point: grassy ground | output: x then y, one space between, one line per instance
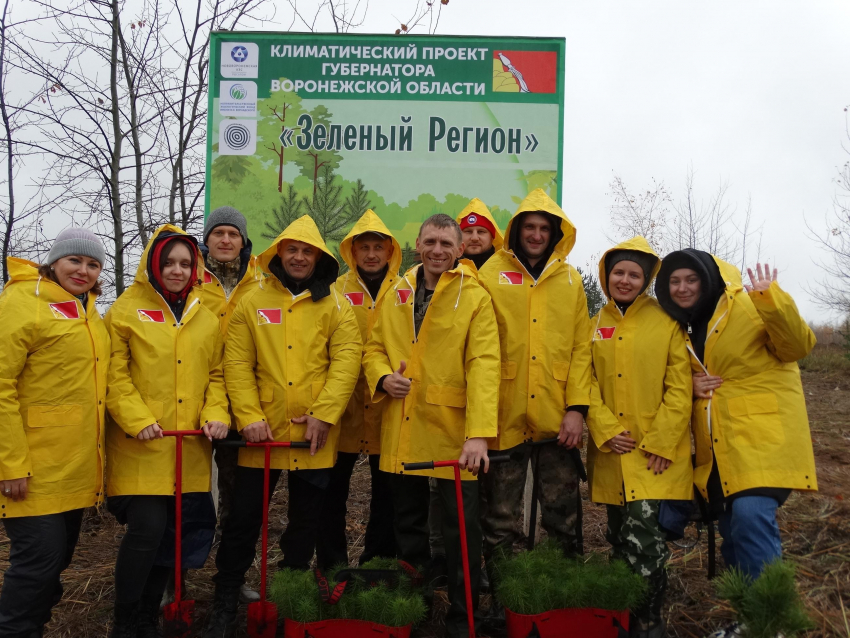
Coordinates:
815 534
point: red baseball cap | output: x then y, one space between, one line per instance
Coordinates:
474 219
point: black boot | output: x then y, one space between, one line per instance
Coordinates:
126 620
222 622
149 619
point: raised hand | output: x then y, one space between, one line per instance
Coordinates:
762 279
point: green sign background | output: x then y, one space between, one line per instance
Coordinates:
252 167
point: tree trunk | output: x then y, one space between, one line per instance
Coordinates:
134 131
115 163
10 220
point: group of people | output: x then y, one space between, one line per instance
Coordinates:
485 345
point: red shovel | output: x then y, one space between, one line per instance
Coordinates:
262 615
177 616
461 520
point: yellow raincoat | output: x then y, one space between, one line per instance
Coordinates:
478 207
214 298
544 333
641 382
756 420
287 355
360 429
161 371
453 365
53 368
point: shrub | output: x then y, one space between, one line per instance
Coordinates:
767 606
543 579
297 597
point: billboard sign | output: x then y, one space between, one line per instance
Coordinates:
406 125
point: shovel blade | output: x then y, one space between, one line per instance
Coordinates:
177 619
262 620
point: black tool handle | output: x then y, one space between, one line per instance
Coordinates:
423 465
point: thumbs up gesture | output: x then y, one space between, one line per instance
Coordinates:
396 384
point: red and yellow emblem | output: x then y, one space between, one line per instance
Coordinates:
605 333
510 278
155 316
268 316
65 310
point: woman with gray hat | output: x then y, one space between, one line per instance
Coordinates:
52 389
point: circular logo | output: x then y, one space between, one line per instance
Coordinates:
237 136
239 53
471 219
238 92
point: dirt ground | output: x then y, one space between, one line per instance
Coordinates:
815 535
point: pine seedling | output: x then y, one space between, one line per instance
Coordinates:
768 606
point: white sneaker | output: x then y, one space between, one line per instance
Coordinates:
729 631
248 595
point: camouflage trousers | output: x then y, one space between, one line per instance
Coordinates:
557 480
637 539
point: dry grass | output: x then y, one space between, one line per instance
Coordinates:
815 533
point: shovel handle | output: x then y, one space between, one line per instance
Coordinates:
178 508
423 465
303 445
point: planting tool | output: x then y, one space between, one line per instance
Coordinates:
461 519
177 616
262 615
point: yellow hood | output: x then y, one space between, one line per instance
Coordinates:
302 229
369 223
638 244
539 201
21 269
142 269
730 274
478 207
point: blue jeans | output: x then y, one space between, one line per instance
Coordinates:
750 534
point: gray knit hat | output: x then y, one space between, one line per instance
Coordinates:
77 241
226 216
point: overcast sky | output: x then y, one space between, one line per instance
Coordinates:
752 93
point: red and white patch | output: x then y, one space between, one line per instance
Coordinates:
472 220
605 333
403 296
65 310
510 278
355 298
267 316
207 277
156 316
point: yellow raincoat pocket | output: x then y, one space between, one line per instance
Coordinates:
755 419
156 408
646 420
509 369
446 395
266 392
561 370
51 416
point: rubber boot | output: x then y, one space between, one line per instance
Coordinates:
126 620
222 622
149 619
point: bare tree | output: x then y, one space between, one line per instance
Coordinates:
832 291
710 224
646 214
